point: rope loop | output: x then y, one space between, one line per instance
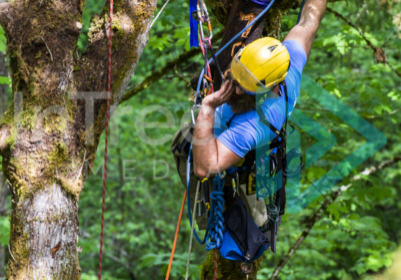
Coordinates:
216 233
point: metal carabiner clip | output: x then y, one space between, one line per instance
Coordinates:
193 113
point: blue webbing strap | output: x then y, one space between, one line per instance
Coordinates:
193 24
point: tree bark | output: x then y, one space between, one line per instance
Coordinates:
53 128
4 87
3 212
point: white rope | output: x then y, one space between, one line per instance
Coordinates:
165 4
192 231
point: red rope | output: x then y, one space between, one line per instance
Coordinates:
107 139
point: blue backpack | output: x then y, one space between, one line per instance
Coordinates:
243 240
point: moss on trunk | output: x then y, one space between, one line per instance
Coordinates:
43 135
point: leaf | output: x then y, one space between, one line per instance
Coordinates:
5 80
4 231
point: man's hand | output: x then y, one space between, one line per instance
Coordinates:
220 97
210 155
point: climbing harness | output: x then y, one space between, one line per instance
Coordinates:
106 139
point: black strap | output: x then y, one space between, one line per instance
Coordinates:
229 121
217 64
281 198
264 120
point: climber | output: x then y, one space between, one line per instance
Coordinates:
228 125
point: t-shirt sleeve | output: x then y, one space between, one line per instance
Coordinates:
240 137
297 54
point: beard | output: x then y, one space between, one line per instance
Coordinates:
242 103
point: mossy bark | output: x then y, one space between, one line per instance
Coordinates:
44 137
3 213
236 15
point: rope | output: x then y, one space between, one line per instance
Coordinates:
176 235
192 232
107 140
216 232
161 10
189 201
300 11
233 39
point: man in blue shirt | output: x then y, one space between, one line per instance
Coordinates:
228 127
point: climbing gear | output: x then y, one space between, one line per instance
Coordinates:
243 241
246 268
218 231
232 41
261 65
194 41
176 236
107 140
271 172
215 234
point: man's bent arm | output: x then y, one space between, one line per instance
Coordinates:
209 154
304 32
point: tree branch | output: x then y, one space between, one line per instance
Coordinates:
313 219
379 52
155 76
131 23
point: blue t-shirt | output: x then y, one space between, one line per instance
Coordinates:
246 132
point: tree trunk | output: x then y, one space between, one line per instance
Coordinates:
3 212
236 15
53 128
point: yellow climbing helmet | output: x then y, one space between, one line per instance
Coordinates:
261 65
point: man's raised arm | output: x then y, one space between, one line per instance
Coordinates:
304 32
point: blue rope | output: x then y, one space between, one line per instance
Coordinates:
300 11
216 233
232 41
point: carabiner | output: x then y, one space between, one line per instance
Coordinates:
192 112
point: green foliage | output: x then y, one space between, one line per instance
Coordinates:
3 42
4 230
357 234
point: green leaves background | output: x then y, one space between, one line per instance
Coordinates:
356 236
